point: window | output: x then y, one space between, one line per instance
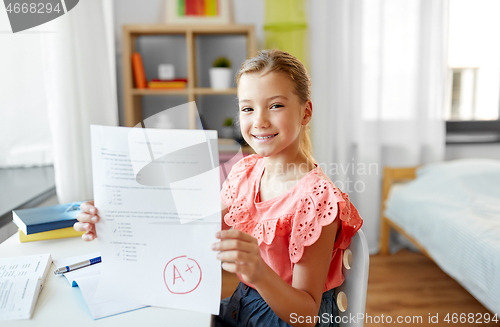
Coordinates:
473 110
474 60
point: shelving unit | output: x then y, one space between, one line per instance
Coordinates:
133 96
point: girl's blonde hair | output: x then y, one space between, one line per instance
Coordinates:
278 61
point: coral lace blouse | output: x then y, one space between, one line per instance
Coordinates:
284 225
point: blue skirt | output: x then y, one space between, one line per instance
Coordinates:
247 308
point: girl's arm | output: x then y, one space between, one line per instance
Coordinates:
240 253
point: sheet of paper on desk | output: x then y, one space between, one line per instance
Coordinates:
87 279
157 192
21 280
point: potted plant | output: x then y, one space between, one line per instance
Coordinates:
220 73
227 128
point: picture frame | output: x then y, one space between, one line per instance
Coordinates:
181 12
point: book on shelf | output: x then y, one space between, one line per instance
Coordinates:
21 280
49 235
43 219
138 70
178 83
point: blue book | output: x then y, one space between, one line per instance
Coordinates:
43 219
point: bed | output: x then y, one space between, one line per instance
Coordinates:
451 212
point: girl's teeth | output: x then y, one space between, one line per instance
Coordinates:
264 137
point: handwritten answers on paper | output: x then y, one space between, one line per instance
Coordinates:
157 192
21 279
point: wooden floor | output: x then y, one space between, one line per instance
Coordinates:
409 285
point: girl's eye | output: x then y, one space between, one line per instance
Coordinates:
276 105
246 109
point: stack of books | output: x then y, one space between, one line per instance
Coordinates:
46 223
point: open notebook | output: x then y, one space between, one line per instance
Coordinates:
87 279
21 280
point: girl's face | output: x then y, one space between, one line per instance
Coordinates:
271 114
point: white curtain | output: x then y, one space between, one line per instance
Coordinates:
378 72
25 139
81 85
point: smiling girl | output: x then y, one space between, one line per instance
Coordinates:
290 223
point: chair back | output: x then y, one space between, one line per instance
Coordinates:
351 295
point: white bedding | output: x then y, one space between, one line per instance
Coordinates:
453 210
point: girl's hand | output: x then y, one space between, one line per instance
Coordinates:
87 220
240 253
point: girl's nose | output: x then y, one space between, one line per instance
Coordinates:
261 120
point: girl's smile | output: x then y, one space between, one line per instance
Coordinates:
264 137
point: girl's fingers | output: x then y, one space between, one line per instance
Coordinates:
83 227
236 256
86 218
235 234
239 253
229 266
88 236
233 244
88 207
237 268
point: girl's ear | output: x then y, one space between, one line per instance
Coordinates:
308 110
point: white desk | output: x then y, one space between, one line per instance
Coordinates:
59 304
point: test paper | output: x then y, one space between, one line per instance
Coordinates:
157 193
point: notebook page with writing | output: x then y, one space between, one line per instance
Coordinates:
21 280
87 279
